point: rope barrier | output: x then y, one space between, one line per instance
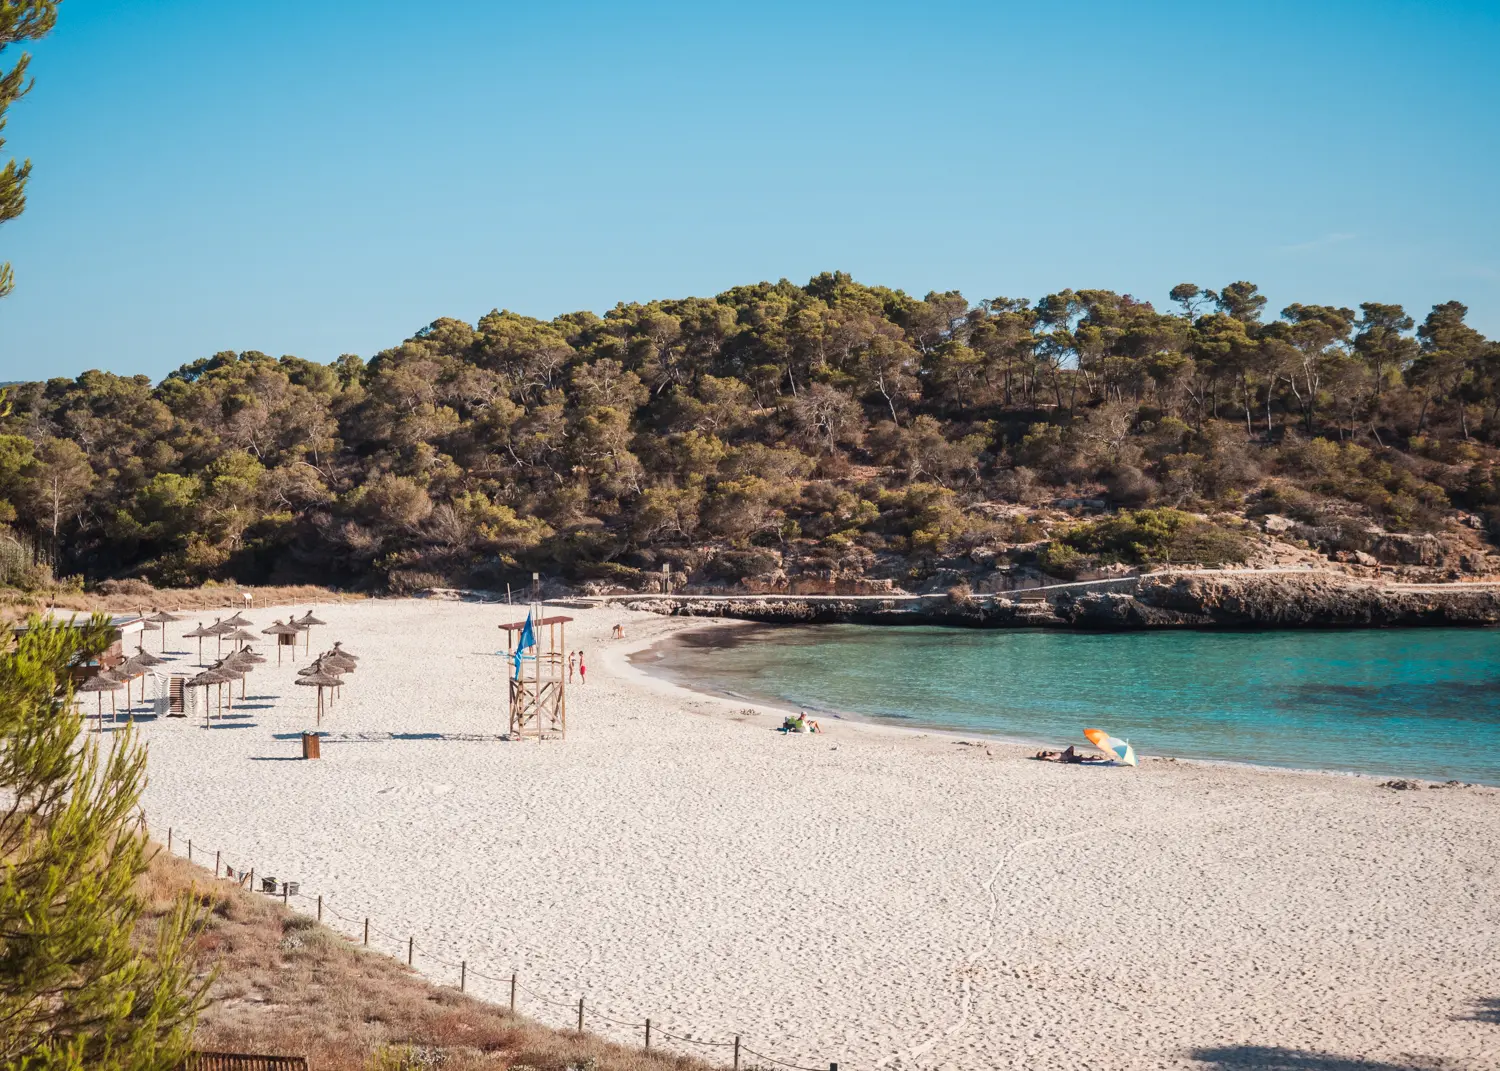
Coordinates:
596 1014
547 1000
696 1041
780 1063
470 971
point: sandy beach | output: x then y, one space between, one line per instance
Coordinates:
875 897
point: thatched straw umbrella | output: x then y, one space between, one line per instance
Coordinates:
146 658
128 671
238 620
279 630
220 629
240 637
338 649
206 680
235 671
306 623
146 661
337 662
198 634
99 683
319 679
162 618
241 664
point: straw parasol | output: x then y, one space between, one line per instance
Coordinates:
198 634
319 679
205 680
146 658
241 637
278 630
306 623
338 649
238 620
219 629
162 618
338 662
235 671
99 683
241 663
128 671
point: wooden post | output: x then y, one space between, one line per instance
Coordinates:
463 974
320 907
411 943
367 931
580 1015
252 879
216 864
648 1035
169 840
512 992
190 849
736 1052
285 894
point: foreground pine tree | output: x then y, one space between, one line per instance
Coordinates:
75 990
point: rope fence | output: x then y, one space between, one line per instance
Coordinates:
579 1012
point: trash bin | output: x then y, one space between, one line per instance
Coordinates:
310 742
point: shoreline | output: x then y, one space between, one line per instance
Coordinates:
876 722
877 895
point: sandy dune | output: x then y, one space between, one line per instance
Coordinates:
878 898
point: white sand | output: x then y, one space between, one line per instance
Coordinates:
879 898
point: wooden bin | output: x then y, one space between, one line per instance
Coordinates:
310 746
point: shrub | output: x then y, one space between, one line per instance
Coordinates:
1158 535
1059 559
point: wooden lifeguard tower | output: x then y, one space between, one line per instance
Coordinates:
538 692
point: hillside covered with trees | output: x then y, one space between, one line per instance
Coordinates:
832 430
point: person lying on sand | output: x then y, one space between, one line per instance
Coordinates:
1070 756
801 723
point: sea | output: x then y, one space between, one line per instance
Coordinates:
1415 703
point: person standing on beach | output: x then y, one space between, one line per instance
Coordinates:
572 660
582 670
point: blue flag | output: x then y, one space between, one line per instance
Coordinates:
528 639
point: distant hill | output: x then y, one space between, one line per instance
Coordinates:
779 434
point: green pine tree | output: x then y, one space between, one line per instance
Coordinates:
75 989
20 20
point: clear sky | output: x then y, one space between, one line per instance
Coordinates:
318 178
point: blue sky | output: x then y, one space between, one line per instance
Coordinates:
320 178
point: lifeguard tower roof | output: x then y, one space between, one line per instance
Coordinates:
538 623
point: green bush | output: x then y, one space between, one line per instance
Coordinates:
1148 536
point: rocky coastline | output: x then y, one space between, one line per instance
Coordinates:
1201 600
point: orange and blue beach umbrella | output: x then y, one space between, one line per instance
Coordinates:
1113 746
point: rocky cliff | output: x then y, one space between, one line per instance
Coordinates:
1165 600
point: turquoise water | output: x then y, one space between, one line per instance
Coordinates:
1415 703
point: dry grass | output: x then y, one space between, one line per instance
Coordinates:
287 985
15 605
